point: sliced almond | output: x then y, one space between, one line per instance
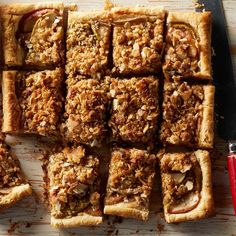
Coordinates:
187 203
178 177
189 185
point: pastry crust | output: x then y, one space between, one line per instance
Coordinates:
15 194
201 25
127 209
205 206
11 108
126 12
206 134
14 54
76 221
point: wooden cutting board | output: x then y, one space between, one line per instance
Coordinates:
30 216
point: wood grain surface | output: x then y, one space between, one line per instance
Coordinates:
31 217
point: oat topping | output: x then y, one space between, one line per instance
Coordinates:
182 52
137 45
73 183
131 176
85 111
40 101
181 182
88 48
10 172
134 109
182 113
44 45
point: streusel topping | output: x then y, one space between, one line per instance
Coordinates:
73 186
131 176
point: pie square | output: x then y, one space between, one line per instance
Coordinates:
188 46
32 101
186 186
73 186
33 34
88 43
134 110
137 40
188 115
13 185
130 182
85 111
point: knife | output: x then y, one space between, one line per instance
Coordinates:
225 83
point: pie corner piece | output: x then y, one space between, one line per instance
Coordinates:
188 58
188 176
76 201
121 199
136 48
13 185
22 27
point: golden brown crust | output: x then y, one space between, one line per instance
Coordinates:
11 108
80 220
126 12
206 133
13 195
201 25
14 54
127 209
205 207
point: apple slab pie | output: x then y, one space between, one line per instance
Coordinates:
33 34
135 109
186 185
188 115
130 181
188 46
73 187
32 101
137 40
13 185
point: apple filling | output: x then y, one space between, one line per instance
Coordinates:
182 51
40 33
181 178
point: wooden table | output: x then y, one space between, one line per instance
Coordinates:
30 216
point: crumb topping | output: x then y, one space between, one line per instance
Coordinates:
137 45
85 111
44 45
73 185
181 181
134 109
41 101
131 176
182 52
182 113
10 172
88 48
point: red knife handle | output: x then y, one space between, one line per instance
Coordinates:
232 177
